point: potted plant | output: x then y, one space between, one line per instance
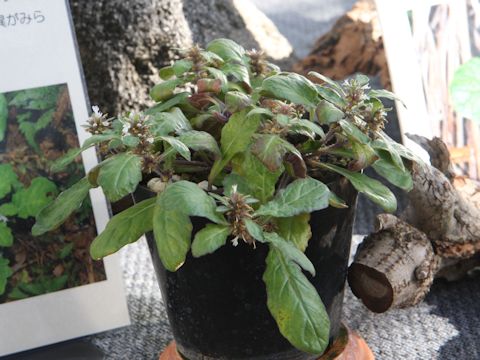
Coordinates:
245 180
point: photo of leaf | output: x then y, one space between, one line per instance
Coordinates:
37 127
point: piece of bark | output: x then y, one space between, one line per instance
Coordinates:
394 266
353 45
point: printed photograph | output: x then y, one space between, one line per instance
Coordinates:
36 128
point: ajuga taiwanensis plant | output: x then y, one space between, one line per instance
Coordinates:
235 140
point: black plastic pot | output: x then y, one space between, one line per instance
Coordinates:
216 304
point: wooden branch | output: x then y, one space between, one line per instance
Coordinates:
437 236
395 266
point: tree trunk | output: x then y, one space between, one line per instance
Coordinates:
123 44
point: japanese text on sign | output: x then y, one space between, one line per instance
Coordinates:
21 19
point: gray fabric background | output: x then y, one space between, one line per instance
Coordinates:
445 326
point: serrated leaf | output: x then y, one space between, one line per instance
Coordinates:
200 141
9 179
120 175
292 87
260 180
5 273
31 200
227 49
178 146
209 239
164 123
295 304
6 237
191 200
236 137
373 189
327 113
3 116
353 132
124 228
300 196
295 229
386 168
61 208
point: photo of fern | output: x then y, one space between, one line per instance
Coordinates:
36 128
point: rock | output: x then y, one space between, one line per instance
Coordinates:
123 44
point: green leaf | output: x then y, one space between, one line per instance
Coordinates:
227 49
336 202
353 132
236 101
306 125
166 72
292 87
120 175
179 146
218 74
130 141
238 71
327 80
181 66
233 179
199 141
65 251
164 90
295 304
172 230
9 179
6 237
3 116
386 168
327 113
295 229
124 228
61 208
373 189
235 138
177 99
301 196
254 230
289 251
31 200
164 123
209 239
190 199
465 89
8 209
331 96
269 149
386 144
5 273
260 180
382 93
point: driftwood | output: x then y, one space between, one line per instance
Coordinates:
353 45
438 235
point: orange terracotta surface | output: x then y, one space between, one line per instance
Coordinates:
349 346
